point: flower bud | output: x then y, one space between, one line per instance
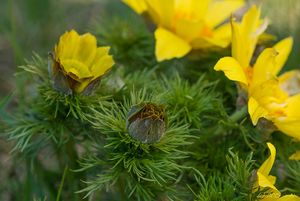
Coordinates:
77 64
146 122
266 128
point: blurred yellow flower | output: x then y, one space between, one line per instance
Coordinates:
244 38
79 63
267 96
265 182
138 6
183 25
295 156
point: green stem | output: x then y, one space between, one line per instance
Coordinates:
72 162
239 114
72 153
67 157
235 117
62 183
121 189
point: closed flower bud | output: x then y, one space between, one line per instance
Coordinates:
266 128
146 122
77 64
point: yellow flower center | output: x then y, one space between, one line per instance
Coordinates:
206 31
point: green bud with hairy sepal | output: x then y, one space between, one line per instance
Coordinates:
146 122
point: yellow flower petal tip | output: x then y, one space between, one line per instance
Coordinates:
231 69
169 46
267 165
295 156
266 182
245 35
284 48
256 111
138 6
79 63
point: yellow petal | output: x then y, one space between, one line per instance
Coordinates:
75 69
251 23
289 198
79 87
75 54
221 37
290 82
161 11
192 8
218 11
67 45
293 106
265 183
201 43
289 127
283 48
290 123
187 29
86 50
295 156
245 36
263 69
266 167
138 6
209 37
102 66
256 111
268 101
238 48
268 92
232 69
169 46
283 198
101 51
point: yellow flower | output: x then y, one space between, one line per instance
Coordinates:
265 181
187 24
244 38
138 6
295 156
79 63
266 92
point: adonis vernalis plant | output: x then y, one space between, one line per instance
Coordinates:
104 119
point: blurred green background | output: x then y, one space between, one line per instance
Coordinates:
28 26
